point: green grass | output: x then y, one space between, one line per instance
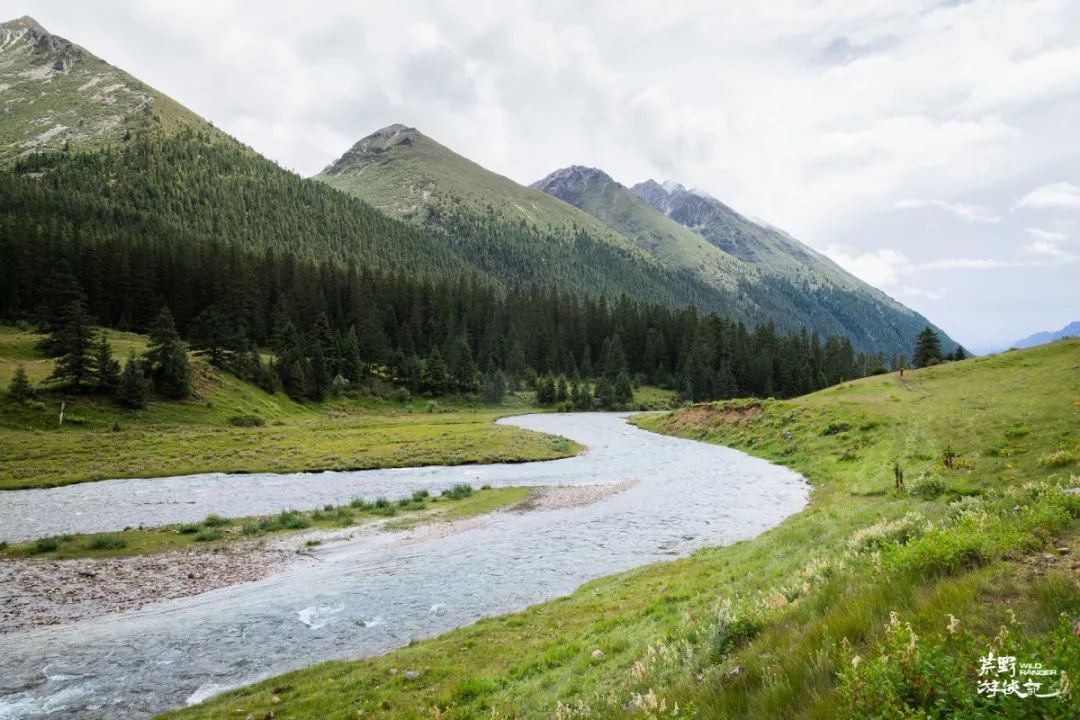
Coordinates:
198 435
769 627
215 531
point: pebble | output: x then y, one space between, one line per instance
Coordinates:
411 675
597 654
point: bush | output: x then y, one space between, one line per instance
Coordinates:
246 421
835 429
187 529
106 542
213 520
45 545
1017 431
359 503
1058 458
209 535
929 487
734 629
285 520
458 492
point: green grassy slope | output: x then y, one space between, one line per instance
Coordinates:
512 232
598 195
966 557
176 438
55 93
405 173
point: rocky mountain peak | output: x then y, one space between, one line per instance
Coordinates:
570 182
373 145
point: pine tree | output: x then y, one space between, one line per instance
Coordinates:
132 390
927 349
495 387
106 368
167 358
74 342
622 392
20 389
433 377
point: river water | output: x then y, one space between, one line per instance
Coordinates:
373 597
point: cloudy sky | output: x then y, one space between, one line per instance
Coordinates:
929 146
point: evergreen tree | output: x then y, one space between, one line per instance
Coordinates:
434 377
106 368
545 391
461 369
74 342
495 387
927 349
132 390
622 392
20 389
561 391
166 358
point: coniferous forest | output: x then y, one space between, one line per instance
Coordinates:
343 296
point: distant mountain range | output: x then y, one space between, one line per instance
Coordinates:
735 266
1041 338
577 230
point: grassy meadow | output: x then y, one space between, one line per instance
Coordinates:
875 601
99 440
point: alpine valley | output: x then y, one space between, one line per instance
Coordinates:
409 439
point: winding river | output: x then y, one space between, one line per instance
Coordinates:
366 598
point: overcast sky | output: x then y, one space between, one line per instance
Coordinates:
930 147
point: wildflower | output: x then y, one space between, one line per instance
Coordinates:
855 662
954 623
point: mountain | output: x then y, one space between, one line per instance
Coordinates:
753 242
55 94
1041 338
594 192
510 231
775 277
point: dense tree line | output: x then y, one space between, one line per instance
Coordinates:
170 195
244 258
328 324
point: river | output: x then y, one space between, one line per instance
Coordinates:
373 597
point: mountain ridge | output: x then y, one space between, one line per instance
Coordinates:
1048 336
58 95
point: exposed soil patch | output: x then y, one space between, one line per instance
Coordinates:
702 416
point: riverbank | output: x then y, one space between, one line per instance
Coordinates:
233 426
800 621
126 572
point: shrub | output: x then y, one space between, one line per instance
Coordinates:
106 542
246 421
458 492
929 487
359 503
420 495
888 532
734 629
45 545
1058 458
187 529
213 520
1017 431
209 535
834 428
384 508
285 520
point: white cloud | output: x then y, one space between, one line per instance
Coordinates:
964 264
815 115
971 213
1055 195
881 268
1046 235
